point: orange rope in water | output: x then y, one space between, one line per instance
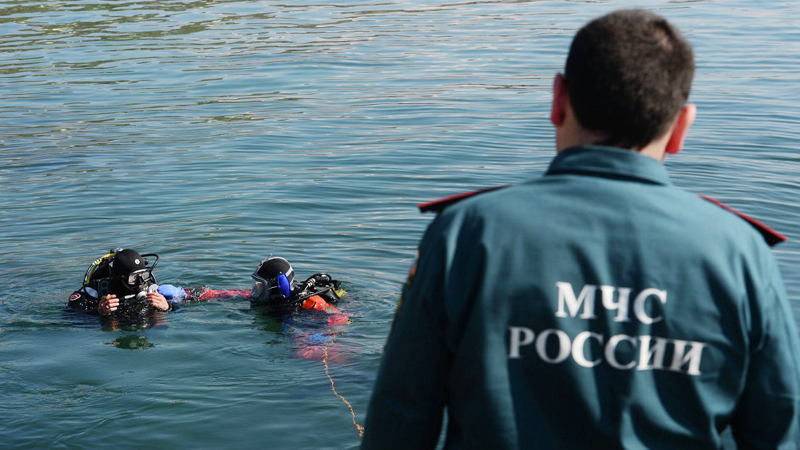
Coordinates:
333 388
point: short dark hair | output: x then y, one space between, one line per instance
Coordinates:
628 75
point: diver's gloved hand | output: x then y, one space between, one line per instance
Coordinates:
172 293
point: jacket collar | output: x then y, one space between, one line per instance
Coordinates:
609 162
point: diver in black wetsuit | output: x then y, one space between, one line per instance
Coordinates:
274 284
121 284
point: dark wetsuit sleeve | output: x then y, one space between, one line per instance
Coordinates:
768 413
408 399
81 301
173 305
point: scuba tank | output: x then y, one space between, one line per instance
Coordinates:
99 274
320 283
318 292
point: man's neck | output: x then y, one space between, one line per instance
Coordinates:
576 136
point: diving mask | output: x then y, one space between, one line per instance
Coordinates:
264 289
139 278
272 279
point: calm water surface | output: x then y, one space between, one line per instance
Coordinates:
215 133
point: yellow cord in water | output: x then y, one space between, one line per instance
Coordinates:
333 388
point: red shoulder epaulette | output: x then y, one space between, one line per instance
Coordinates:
438 205
771 236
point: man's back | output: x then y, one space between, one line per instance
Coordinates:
601 307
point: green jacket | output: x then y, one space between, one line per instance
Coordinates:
596 307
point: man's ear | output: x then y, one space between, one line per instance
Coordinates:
681 128
558 110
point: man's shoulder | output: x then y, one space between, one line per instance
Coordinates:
770 236
83 299
86 291
76 297
437 206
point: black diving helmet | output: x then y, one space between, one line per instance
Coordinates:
132 269
272 279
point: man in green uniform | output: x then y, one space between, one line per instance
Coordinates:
598 306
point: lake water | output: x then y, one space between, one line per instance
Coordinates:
215 133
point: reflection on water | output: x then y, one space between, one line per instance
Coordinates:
131 342
143 319
217 132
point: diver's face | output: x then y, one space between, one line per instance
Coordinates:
127 287
134 281
259 292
